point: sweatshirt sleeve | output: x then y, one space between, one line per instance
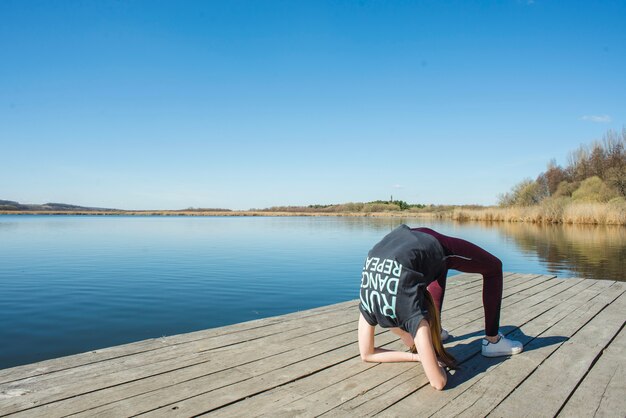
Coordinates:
368 316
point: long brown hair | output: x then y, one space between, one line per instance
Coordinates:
435 332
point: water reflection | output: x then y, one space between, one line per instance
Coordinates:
74 284
589 251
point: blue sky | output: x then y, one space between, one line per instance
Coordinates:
249 104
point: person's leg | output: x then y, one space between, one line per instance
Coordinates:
473 259
470 258
437 290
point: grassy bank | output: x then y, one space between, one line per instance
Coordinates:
611 213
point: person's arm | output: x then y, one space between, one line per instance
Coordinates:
434 372
373 354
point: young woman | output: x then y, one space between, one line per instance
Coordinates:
402 288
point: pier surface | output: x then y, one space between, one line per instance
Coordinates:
307 364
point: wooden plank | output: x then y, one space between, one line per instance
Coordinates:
217 368
460 307
324 379
515 284
318 393
552 382
202 394
324 376
253 328
218 378
89 374
356 352
602 393
154 362
476 311
177 353
112 353
200 364
514 281
454 290
194 351
325 391
482 383
164 410
377 399
243 388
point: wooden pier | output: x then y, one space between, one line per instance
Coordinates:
307 364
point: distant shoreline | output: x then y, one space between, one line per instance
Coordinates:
241 213
578 213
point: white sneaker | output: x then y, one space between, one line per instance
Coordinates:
444 334
504 347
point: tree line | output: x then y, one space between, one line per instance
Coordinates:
366 207
594 173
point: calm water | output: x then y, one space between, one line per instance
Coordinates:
70 284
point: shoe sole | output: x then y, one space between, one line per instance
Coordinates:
502 354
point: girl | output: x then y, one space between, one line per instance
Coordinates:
397 273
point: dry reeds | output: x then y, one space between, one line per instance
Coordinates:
550 211
613 213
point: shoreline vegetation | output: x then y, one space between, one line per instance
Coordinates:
611 213
591 189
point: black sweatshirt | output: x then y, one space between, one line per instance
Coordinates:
395 275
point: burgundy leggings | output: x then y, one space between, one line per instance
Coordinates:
469 258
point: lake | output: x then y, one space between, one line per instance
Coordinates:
75 283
